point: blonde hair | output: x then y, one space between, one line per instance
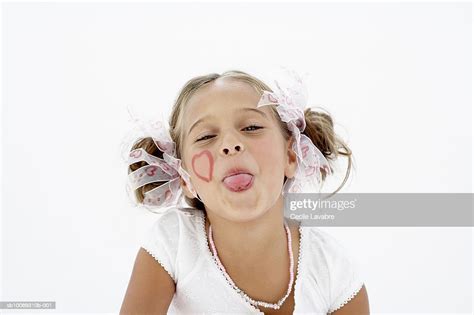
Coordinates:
319 128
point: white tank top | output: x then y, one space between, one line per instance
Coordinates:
327 276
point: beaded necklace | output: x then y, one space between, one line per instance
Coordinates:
244 295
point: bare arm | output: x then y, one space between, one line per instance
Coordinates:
150 289
358 305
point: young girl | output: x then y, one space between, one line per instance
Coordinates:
234 148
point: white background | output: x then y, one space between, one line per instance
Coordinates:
395 76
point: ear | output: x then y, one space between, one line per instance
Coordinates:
185 189
291 160
183 184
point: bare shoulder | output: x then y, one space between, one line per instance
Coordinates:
150 289
358 305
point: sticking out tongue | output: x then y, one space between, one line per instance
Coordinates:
238 182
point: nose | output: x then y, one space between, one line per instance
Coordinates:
231 146
236 148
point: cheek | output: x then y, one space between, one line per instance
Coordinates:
203 165
267 150
269 156
262 147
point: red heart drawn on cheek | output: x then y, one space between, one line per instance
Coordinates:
203 165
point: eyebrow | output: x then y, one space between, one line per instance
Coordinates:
239 110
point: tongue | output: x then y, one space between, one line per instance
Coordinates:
237 182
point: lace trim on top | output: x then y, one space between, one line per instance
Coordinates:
347 299
202 217
158 260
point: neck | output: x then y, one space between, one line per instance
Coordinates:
249 241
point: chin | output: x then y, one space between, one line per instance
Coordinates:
245 212
244 216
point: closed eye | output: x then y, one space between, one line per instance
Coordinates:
246 128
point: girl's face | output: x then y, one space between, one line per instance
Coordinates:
225 130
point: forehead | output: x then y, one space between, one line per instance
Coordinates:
221 96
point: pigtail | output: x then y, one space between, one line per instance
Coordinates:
150 147
320 129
